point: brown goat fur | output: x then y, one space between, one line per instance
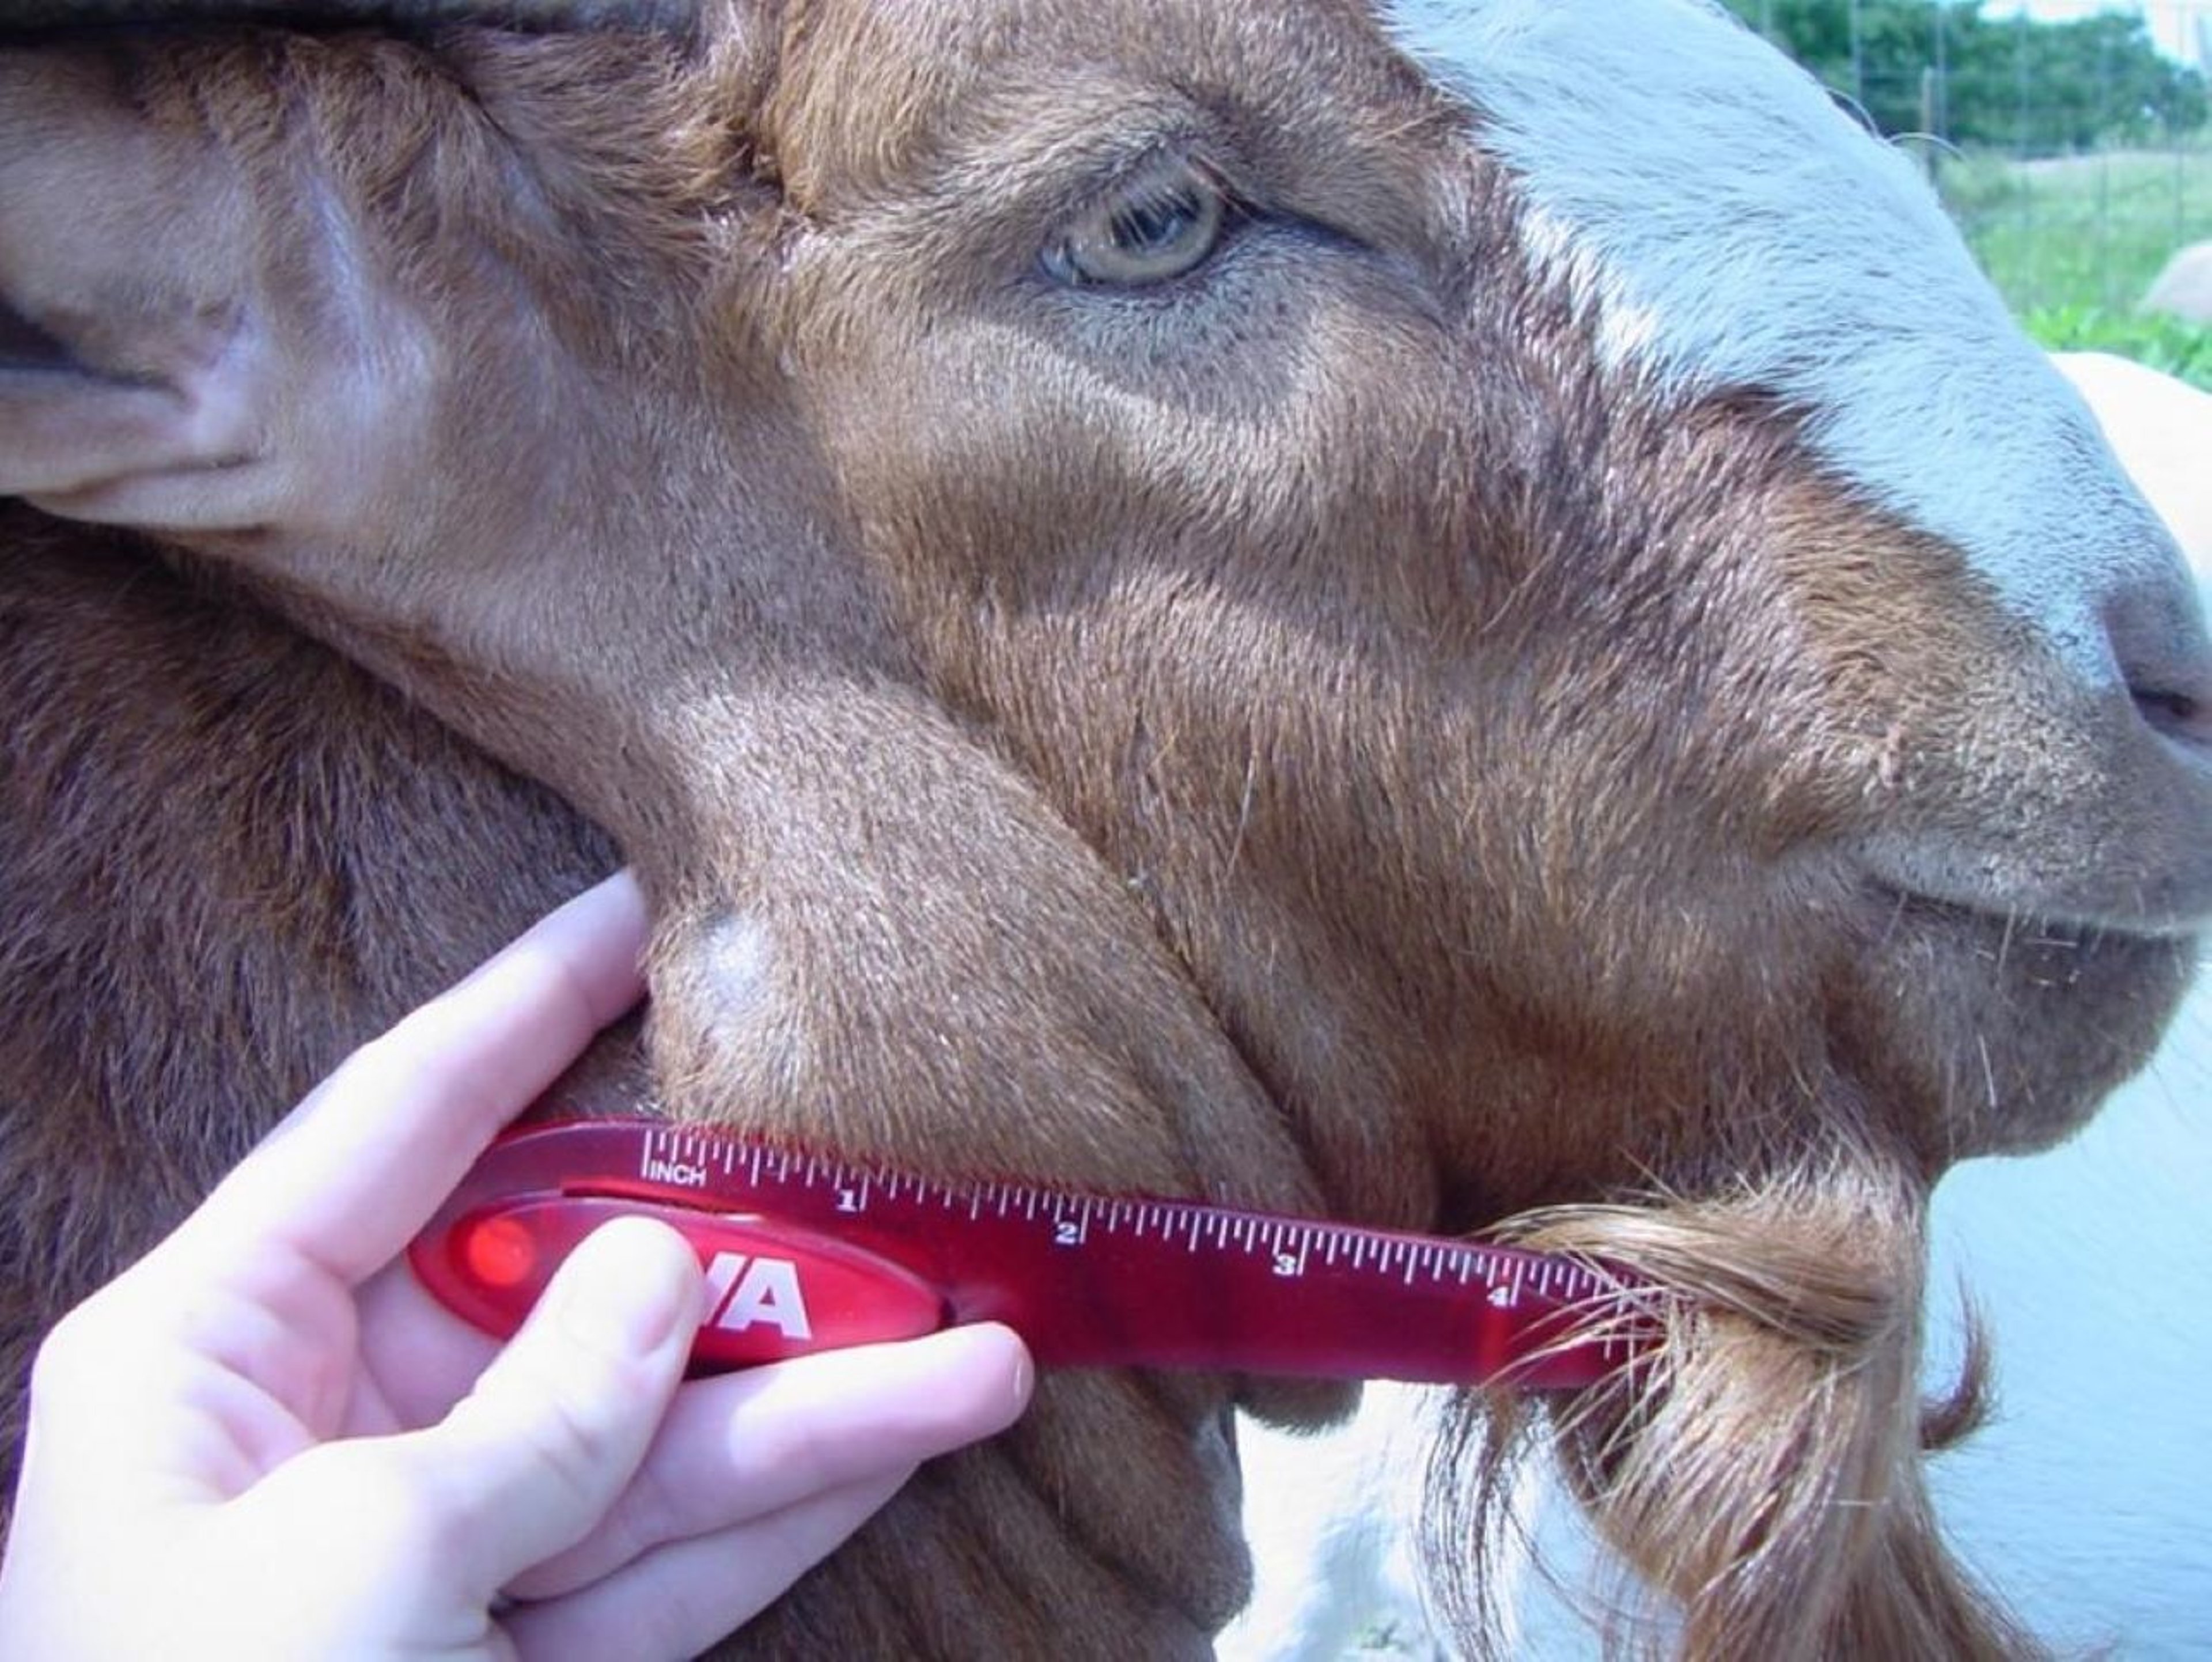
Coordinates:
1316 738
1769 1454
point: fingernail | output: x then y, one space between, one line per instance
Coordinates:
628 1287
986 1338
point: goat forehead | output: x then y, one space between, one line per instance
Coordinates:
1727 226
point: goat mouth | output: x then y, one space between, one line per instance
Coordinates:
2028 929
2162 888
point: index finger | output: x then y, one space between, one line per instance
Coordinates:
353 1173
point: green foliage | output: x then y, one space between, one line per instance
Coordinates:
1940 67
2180 349
2075 231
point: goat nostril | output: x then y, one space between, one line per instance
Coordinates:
2159 646
2176 715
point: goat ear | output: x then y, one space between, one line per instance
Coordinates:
125 445
135 382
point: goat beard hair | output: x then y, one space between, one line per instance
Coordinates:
1760 1471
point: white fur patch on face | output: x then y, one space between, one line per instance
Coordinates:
1730 227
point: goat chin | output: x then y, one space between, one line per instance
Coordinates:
1761 1470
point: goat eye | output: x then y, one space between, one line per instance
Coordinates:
1154 228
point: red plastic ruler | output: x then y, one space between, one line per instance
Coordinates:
805 1253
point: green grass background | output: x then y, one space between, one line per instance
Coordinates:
2074 244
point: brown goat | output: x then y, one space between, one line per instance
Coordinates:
1227 599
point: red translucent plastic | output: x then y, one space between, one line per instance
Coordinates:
806 1254
773 1291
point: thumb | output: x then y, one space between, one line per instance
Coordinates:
535 1455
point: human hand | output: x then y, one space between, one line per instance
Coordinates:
265 1440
